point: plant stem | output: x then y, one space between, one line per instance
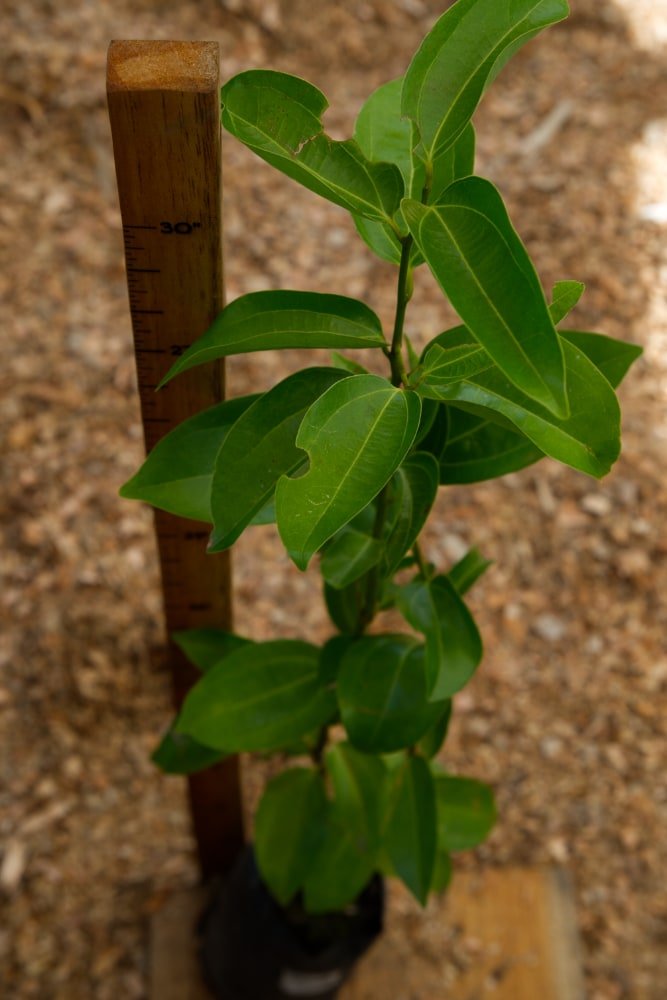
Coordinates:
398 377
421 561
398 373
317 753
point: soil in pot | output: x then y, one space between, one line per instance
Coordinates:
254 949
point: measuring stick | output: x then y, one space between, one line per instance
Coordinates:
165 124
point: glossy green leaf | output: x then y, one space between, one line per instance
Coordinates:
383 134
564 298
279 117
436 440
482 266
347 364
344 605
206 647
588 440
416 487
442 872
383 240
467 571
410 832
451 364
359 783
452 164
480 448
432 740
177 753
349 555
267 515
383 693
177 473
453 643
260 448
267 321
610 356
430 410
466 812
260 697
289 828
356 435
459 56
331 657
341 867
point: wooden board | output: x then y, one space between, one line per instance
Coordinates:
164 109
503 934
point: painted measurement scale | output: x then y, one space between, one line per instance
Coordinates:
164 111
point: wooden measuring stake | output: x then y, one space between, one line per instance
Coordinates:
164 111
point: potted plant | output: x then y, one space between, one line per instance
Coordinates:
347 463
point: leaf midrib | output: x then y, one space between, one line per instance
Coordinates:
360 452
342 192
500 46
471 271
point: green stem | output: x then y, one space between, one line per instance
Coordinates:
398 377
421 561
317 753
403 292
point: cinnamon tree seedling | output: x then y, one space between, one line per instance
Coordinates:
348 464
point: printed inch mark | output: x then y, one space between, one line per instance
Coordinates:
179 228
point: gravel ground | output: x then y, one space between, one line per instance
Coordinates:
565 716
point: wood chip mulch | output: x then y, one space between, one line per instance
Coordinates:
565 718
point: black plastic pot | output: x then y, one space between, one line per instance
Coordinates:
254 949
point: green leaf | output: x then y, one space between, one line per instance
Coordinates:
459 56
356 435
267 515
260 448
450 364
482 266
206 647
268 321
466 812
260 697
344 605
610 356
349 555
468 570
177 474
564 298
435 441
331 657
452 164
289 828
383 693
279 117
453 643
432 740
177 753
416 487
410 832
359 782
347 364
442 873
340 869
382 240
588 440
480 448
383 134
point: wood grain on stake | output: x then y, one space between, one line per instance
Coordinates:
164 112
